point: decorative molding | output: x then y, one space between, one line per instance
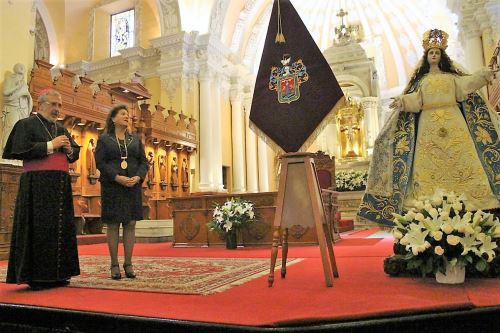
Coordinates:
76 82
219 11
252 44
236 93
241 25
90 35
42 44
169 17
169 83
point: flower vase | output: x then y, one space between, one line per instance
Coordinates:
453 275
231 242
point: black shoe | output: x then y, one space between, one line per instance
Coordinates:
129 271
116 275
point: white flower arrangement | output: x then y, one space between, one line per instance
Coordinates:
233 214
351 180
440 232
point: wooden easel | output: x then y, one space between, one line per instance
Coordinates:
299 202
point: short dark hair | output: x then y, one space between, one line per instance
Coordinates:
110 126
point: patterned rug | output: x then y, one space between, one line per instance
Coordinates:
198 276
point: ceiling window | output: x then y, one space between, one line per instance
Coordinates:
122 31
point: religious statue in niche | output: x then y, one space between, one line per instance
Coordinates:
73 167
17 102
90 159
350 127
350 131
151 168
185 175
162 166
174 173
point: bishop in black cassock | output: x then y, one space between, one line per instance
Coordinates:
43 251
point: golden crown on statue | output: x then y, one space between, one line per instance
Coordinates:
435 38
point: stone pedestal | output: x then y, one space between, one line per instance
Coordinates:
153 231
348 206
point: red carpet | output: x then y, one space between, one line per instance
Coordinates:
195 276
363 290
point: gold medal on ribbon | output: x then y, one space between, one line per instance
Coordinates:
124 165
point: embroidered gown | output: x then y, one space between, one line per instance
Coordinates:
445 154
43 246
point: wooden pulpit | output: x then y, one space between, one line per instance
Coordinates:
299 203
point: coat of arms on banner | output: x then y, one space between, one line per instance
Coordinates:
286 80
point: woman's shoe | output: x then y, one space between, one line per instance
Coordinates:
129 271
115 272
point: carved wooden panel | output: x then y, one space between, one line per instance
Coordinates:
191 215
9 183
190 228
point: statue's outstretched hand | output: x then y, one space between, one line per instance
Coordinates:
396 104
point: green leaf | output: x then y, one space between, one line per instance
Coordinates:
429 266
414 264
469 259
481 265
453 261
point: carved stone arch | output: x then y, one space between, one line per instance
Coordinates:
170 18
42 45
217 17
50 36
356 82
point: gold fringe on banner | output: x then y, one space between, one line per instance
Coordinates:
280 37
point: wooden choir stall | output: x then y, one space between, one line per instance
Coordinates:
169 140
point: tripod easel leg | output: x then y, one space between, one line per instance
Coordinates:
274 255
329 245
284 253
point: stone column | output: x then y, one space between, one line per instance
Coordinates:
217 135
332 147
251 152
263 167
473 47
237 131
370 109
206 152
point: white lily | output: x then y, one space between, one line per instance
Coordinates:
228 225
488 248
470 243
416 241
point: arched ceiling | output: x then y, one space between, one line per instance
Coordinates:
392 29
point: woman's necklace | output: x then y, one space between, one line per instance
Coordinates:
50 135
124 163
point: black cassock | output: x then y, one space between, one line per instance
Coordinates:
43 246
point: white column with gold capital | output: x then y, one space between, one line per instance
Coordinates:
237 132
251 151
263 166
207 143
216 120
